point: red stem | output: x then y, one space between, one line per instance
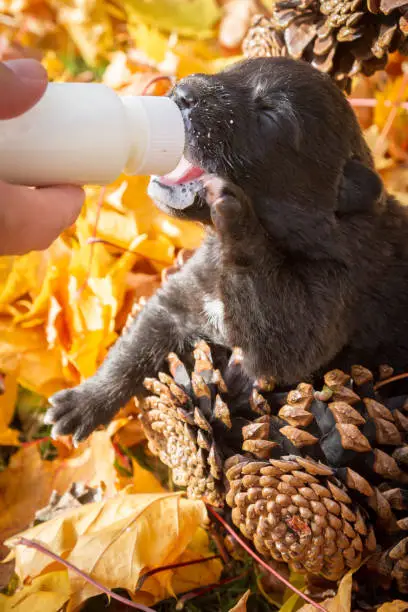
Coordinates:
391 116
95 583
163 568
371 102
261 562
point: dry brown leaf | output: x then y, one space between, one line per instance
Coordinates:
46 593
241 605
116 540
341 602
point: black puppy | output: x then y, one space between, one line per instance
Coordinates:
305 263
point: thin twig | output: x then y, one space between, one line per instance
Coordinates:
163 568
220 545
261 562
382 383
94 240
41 548
155 80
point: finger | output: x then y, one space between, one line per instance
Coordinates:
31 219
22 83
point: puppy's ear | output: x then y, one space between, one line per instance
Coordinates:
360 189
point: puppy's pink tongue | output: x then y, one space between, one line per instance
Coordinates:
184 172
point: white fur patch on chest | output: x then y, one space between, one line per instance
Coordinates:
214 311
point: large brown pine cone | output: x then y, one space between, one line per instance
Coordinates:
295 510
340 37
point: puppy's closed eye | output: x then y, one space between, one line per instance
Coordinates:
360 189
280 115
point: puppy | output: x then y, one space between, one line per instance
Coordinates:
305 260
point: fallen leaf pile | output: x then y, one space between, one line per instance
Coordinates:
61 310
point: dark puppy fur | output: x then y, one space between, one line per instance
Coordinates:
305 263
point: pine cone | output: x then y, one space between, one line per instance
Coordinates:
189 425
295 510
292 508
340 37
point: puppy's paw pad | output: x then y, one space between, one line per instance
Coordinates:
227 202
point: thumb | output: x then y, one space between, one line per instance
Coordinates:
22 84
30 219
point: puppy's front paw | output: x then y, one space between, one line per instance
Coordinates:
231 210
74 411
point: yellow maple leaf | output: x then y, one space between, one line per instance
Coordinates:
46 593
116 540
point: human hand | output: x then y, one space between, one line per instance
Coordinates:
30 219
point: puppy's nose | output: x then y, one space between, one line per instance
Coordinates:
185 96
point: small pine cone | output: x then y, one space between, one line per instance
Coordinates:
340 37
295 510
189 425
